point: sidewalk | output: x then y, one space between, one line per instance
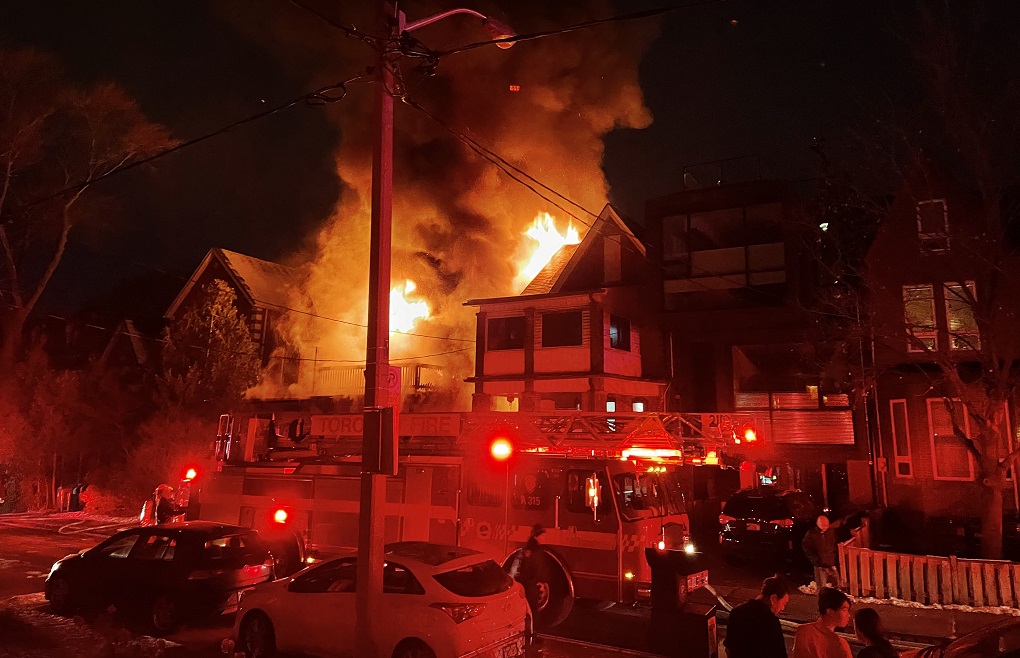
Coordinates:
920 625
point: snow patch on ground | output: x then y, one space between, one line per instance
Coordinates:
995 610
29 631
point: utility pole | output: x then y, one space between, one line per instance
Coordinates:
372 521
371 525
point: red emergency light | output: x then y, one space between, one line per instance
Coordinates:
501 449
280 515
190 473
750 435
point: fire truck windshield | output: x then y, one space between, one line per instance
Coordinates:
648 495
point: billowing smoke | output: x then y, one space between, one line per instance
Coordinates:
459 222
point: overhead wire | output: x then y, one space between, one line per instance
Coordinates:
318 97
648 13
349 30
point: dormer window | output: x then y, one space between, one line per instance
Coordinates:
933 225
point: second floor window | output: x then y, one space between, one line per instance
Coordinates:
933 225
919 315
619 333
562 329
961 325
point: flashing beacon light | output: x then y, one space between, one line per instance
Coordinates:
750 435
191 473
662 545
501 449
280 515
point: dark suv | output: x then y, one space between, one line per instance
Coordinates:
165 573
766 525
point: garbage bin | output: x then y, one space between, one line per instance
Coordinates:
679 627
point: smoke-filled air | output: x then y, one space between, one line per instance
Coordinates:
460 225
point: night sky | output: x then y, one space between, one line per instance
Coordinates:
743 78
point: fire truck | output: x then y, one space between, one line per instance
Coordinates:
603 488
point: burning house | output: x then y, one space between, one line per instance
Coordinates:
582 334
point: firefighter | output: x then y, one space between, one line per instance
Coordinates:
166 510
533 570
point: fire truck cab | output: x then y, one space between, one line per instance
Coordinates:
602 489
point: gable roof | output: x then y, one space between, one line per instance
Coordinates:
608 218
544 280
262 282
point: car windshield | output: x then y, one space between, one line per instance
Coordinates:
762 508
482 579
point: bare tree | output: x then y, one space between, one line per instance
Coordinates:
53 137
964 140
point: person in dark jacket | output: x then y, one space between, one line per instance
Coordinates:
871 633
533 571
166 510
753 630
819 545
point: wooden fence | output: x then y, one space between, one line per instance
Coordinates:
927 578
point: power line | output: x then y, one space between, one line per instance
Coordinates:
320 96
579 26
349 30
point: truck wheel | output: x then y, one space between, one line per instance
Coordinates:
165 616
551 595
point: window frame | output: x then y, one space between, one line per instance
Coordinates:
623 339
580 325
931 437
488 333
933 332
897 457
933 242
973 337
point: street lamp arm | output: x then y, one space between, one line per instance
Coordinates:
411 27
496 28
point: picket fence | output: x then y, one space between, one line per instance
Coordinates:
928 579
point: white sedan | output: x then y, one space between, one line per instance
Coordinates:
437 602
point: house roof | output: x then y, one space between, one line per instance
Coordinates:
608 216
262 282
544 280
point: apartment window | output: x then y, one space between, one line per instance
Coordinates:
619 333
963 330
950 458
933 225
505 334
562 329
904 466
919 315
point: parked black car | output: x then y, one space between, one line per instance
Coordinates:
766 525
166 573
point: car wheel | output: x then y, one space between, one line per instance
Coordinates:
258 640
61 596
165 614
413 649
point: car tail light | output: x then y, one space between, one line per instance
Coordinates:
723 519
460 612
783 523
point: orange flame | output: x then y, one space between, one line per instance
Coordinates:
404 312
549 240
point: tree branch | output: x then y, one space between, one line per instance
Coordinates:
58 253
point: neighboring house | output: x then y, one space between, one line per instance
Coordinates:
931 255
737 268
582 335
262 298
